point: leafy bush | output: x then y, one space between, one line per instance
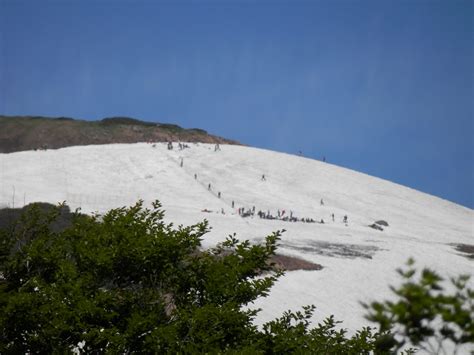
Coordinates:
124 121
424 314
171 127
128 282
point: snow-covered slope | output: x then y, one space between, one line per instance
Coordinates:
359 262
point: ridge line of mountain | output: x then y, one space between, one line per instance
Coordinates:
20 133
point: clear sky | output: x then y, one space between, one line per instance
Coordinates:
382 87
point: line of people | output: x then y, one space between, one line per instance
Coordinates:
242 212
170 146
251 212
282 215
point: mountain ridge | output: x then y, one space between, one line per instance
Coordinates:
21 133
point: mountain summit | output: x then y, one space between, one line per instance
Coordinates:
18 133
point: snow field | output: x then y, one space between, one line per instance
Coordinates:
359 262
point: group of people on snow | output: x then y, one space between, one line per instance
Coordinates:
170 146
182 146
242 212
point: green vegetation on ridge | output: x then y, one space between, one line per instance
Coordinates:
19 133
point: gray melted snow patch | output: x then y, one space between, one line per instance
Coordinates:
338 250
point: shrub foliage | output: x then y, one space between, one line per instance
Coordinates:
129 282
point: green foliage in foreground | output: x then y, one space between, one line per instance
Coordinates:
424 315
127 282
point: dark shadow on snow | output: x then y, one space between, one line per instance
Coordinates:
338 250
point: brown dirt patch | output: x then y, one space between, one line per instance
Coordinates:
291 263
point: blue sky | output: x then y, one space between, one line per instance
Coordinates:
382 87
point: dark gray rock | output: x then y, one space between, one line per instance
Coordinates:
376 226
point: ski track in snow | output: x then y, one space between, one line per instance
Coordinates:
359 262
